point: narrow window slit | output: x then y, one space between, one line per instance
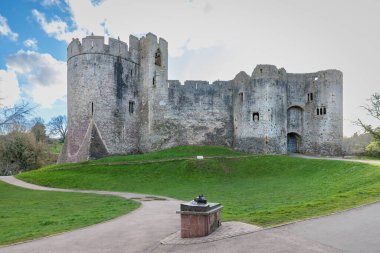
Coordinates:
131 107
241 96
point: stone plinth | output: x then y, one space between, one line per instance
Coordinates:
199 219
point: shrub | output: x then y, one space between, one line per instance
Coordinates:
19 151
373 149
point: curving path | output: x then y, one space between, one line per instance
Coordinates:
137 231
143 229
355 230
375 162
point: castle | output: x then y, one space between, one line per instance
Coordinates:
120 101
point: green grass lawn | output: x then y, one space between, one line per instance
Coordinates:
56 147
178 152
263 190
28 214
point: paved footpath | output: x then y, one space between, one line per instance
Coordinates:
136 232
375 162
356 230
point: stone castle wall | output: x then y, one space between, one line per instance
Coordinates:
120 101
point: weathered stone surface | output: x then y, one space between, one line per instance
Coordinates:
126 95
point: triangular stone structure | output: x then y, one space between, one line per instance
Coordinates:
97 148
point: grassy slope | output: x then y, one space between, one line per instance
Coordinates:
264 190
178 152
28 214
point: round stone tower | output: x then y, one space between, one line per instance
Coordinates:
102 94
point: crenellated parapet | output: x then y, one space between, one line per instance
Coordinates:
96 45
196 86
120 101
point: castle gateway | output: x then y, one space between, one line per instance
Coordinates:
120 101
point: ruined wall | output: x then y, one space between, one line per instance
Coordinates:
120 101
196 113
320 97
260 111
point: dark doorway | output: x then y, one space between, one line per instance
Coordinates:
294 142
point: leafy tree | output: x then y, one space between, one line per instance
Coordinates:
20 151
357 143
373 109
58 126
39 132
18 148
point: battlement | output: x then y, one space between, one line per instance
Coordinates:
197 86
121 102
96 45
265 71
152 40
329 75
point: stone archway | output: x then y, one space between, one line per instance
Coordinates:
295 119
294 142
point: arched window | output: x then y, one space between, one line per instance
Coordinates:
157 57
255 117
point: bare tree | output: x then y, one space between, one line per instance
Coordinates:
58 126
14 116
373 109
37 120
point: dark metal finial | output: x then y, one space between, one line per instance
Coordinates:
200 199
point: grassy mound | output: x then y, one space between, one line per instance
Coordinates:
171 153
264 190
28 214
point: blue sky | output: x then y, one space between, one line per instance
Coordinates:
208 40
20 20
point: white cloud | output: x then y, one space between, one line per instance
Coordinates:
302 36
9 89
45 76
5 30
122 18
183 24
48 3
31 43
57 28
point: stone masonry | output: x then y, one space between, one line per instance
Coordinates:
120 101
